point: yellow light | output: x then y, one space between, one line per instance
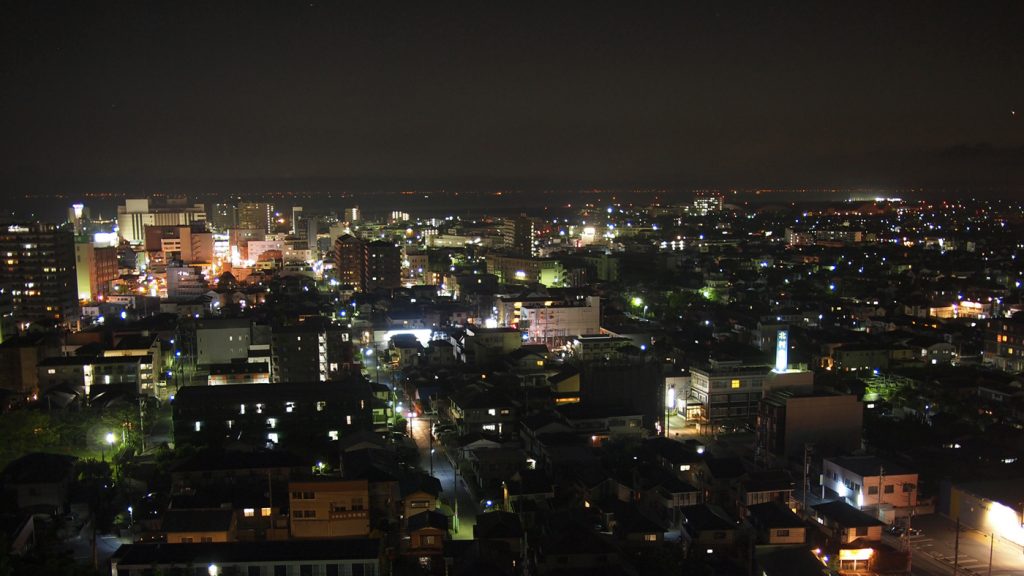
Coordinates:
856 554
735 383
1006 522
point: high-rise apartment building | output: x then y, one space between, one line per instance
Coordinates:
37 268
256 215
519 235
383 265
350 261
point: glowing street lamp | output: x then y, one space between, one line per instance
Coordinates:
109 440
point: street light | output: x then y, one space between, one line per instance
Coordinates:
213 570
109 441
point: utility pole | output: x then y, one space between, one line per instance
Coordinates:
991 548
956 548
807 471
881 477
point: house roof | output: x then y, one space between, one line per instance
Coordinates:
774 515
497 524
216 520
211 460
428 519
869 465
39 467
702 517
845 515
203 554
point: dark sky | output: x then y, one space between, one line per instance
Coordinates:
511 94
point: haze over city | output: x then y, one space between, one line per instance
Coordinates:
555 289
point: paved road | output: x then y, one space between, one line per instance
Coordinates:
444 472
933 550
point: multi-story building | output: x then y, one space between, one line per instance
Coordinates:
302 416
787 423
351 215
329 508
515 269
89 375
383 265
137 213
519 235
310 351
37 267
222 340
185 281
867 481
708 203
189 244
1004 343
356 556
556 323
95 268
256 215
726 392
350 257
149 352
224 215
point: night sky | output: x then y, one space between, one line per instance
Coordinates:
137 95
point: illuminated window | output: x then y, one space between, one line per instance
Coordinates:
348 420
332 434
492 412
249 512
735 383
684 467
265 511
320 406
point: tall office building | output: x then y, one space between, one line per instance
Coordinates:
37 267
351 215
256 215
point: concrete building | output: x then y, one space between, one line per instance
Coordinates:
869 482
137 213
597 347
95 268
787 422
256 216
350 257
1004 343
988 506
303 416
726 393
222 340
383 265
356 556
557 323
329 508
185 281
310 351
37 267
